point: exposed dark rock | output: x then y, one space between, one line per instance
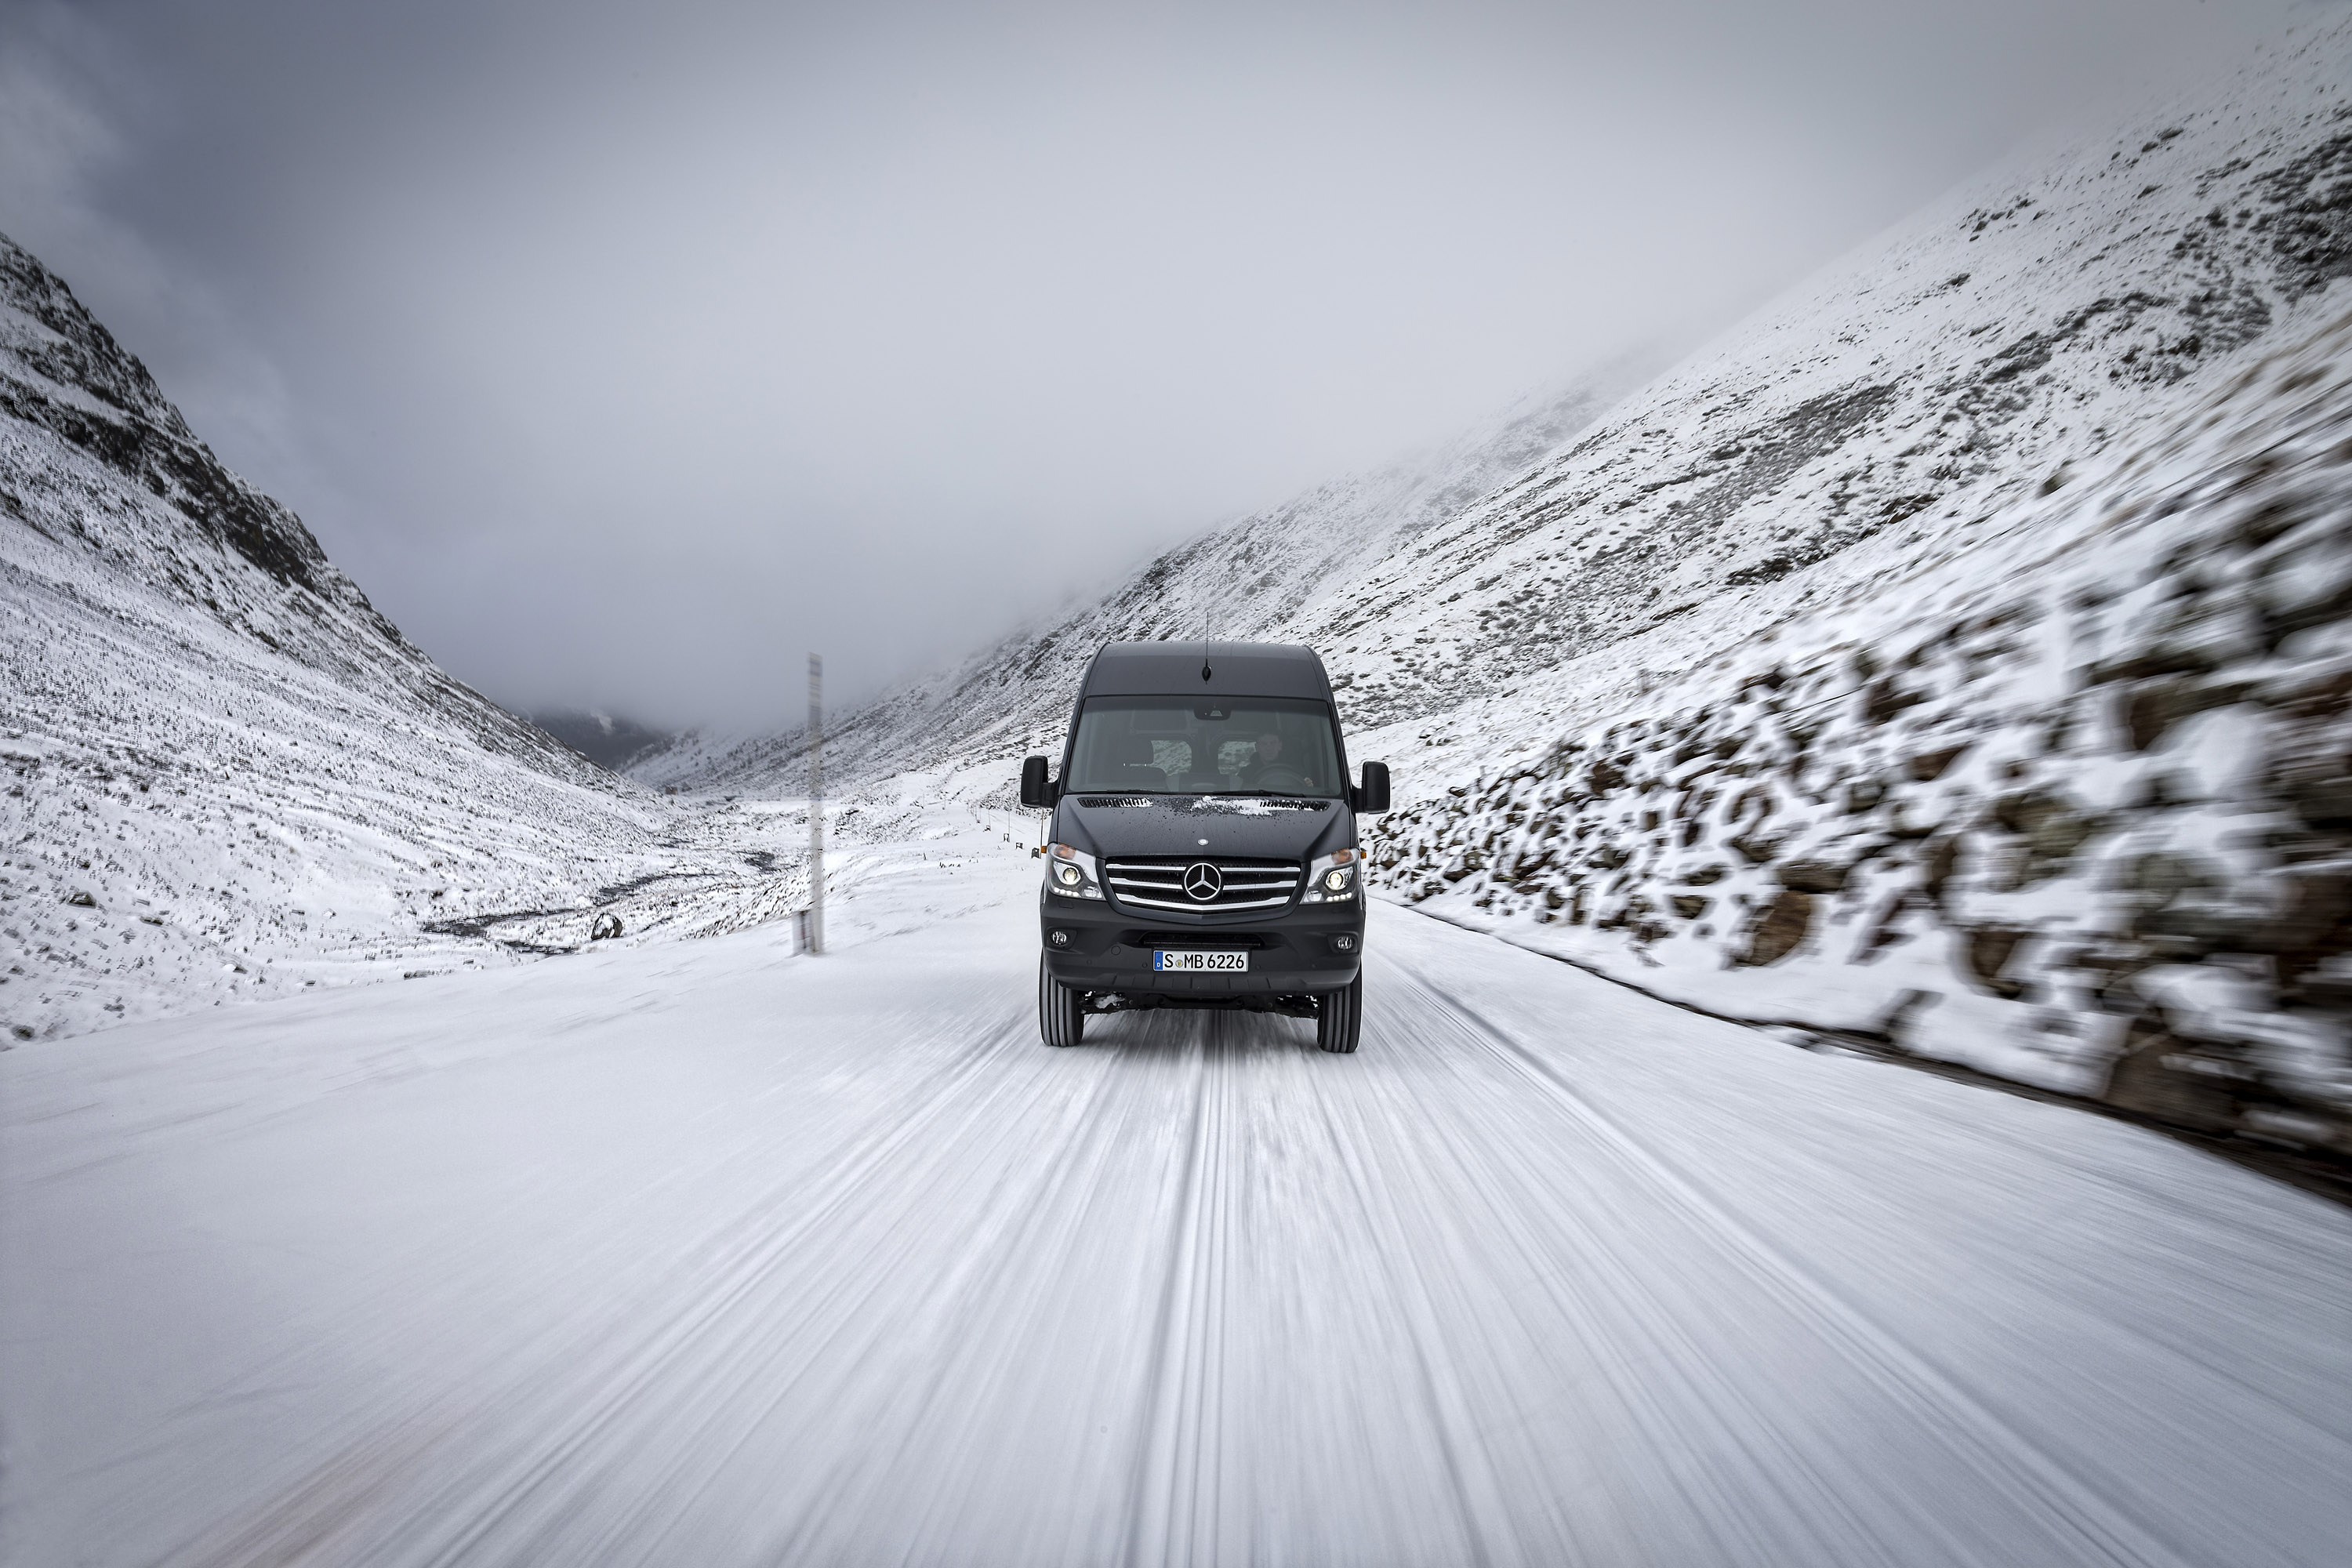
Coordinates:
1884 699
1896 1023
1779 928
1813 875
2306 694
1886 930
80 900
1928 766
2051 843
1986 952
1755 848
2310 225
2313 922
2050 826
2156 707
607 741
2195 1086
2322 799
2020 809
1863 795
605 925
1690 905
2186 931
133 430
2160 877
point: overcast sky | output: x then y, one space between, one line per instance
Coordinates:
622 352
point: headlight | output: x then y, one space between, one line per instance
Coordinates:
1331 880
1072 873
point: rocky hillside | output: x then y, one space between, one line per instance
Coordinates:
1955 656
2075 807
221 773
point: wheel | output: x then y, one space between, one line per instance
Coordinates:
1341 1018
1059 1018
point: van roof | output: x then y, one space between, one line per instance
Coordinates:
1235 669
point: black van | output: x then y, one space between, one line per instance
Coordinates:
1204 849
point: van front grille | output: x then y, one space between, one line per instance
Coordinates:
1178 882
1213 937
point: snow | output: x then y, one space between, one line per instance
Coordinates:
1952 660
705 1253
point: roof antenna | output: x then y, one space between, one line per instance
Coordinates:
1206 625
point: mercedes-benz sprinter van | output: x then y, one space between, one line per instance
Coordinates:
1203 850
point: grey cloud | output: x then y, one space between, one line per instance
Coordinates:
622 353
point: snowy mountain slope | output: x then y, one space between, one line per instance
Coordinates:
1255 578
225 772
2020 323
2138 326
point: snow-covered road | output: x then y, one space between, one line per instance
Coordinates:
697 1254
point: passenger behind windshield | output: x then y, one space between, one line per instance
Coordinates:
1173 745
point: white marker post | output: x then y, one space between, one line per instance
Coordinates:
816 805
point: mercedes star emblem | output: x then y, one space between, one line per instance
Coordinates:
1202 881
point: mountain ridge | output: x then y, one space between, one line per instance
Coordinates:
226 774
1906 387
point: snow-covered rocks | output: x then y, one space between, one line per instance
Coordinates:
2086 793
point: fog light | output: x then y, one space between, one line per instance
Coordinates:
1059 939
1344 943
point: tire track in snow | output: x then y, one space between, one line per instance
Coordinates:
1164 1499
1449 1422
2013 1462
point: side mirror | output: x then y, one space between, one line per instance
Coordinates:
1373 798
1035 788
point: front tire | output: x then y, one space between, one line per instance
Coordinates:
1340 1018
1060 1019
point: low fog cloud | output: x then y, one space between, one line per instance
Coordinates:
623 354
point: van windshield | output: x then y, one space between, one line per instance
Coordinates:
1179 745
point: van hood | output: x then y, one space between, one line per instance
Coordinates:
1258 827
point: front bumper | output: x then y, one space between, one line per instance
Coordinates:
1294 953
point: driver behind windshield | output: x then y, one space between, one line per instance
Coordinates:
1269 771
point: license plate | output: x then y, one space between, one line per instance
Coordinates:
1197 962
